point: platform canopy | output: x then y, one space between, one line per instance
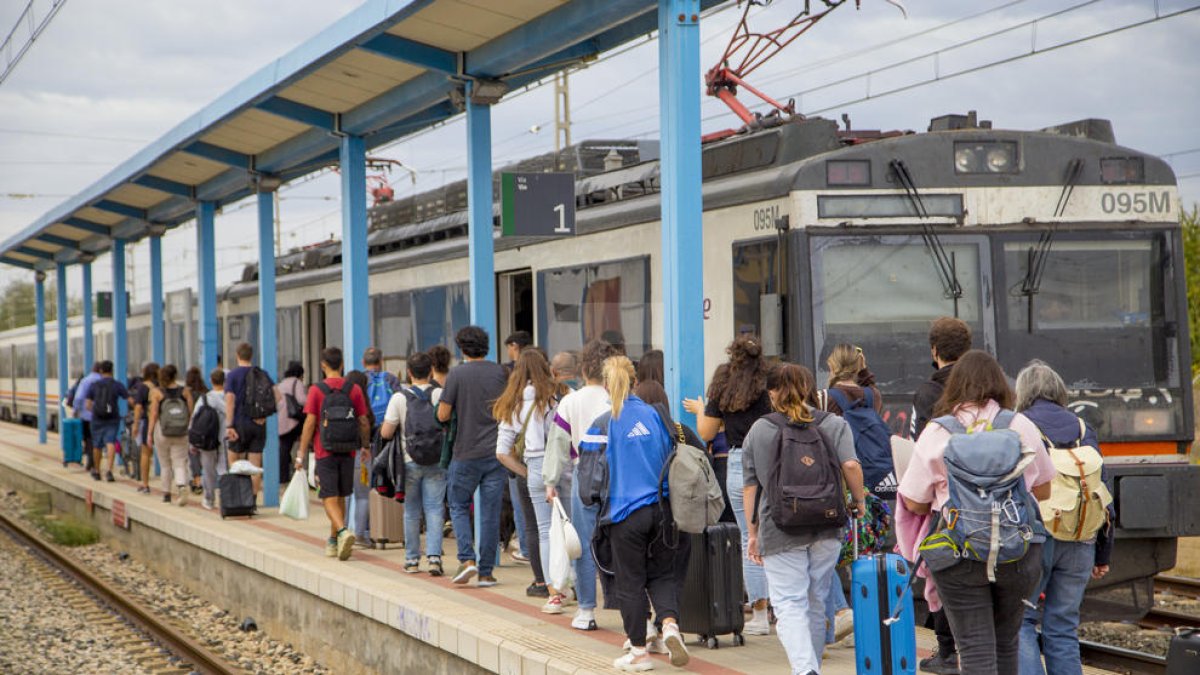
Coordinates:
386 70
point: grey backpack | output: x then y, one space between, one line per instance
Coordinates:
693 490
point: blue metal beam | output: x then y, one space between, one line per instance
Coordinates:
58 241
299 112
60 320
17 263
206 273
40 311
86 226
411 51
268 347
682 212
120 209
35 252
356 321
218 154
120 308
158 339
164 185
89 337
481 249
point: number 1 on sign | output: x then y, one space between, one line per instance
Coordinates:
561 210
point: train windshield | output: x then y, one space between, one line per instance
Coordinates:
881 292
1098 314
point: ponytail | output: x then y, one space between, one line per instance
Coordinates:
618 379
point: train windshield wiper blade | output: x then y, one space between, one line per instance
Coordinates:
1038 254
946 268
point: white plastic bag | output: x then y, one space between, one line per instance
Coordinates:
245 468
295 499
564 547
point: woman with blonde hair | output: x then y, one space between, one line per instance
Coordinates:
633 440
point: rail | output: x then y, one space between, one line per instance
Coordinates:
1121 660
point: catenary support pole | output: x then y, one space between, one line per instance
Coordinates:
40 309
120 310
268 347
683 279
206 274
481 249
158 337
356 300
60 319
89 336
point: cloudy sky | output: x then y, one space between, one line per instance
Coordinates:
109 76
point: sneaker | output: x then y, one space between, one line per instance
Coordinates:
940 663
466 570
331 547
412 566
435 566
95 475
553 605
207 504
654 645
536 590
167 498
144 489
759 625
634 663
345 544
843 624
517 556
675 646
183 495
486 581
109 477
585 619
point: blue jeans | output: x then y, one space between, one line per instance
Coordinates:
799 580
835 601
424 490
491 478
518 515
362 524
755 577
1066 568
542 508
584 519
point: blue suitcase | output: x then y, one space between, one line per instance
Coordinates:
70 433
879 584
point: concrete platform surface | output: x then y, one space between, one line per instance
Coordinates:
498 628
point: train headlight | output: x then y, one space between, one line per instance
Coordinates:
1142 422
985 157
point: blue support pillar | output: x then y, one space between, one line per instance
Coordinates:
481 249
206 273
120 311
356 300
60 319
268 348
158 337
40 302
683 278
89 335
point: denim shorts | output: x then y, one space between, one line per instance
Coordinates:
105 432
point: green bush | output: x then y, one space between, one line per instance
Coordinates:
1191 253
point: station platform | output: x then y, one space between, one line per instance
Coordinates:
495 629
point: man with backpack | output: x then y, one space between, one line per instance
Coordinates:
412 413
381 384
337 427
205 433
104 403
249 400
78 402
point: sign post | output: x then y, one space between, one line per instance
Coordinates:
537 204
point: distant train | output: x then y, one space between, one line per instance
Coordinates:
1055 244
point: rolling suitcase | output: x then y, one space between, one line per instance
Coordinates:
711 601
237 495
71 437
1183 656
387 519
879 584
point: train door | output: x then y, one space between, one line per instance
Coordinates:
759 283
514 304
314 338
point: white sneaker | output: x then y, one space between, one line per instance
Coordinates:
759 624
654 645
634 663
585 619
207 504
182 491
554 605
675 646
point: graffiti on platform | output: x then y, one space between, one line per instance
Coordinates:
414 623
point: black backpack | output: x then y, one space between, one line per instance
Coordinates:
804 484
205 430
259 394
104 399
295 409
423 433
339 424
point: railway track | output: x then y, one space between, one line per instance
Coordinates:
1166 617
160 647
1121 660
1181 586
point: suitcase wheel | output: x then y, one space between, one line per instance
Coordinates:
739 640
712 642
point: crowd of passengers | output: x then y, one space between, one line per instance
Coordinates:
513 433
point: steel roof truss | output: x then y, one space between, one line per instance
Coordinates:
86 225
120 209
165 185
58 241
416 53
34 252
299 112
218 154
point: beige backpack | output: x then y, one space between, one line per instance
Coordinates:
1078 504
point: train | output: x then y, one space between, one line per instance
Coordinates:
1056 243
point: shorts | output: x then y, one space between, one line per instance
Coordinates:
143 426
335 474
105 432
252 437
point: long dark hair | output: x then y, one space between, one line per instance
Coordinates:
976 378
194 381
650 367
741 381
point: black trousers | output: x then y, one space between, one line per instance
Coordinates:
286 462
645 569
532 536
941 628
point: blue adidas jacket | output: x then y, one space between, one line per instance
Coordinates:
635 448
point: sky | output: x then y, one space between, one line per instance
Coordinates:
108 77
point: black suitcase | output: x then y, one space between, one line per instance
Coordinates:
711 601
237 495
1183 657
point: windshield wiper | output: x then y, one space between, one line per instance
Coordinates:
1038 254
946 268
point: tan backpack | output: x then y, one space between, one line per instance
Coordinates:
1079 499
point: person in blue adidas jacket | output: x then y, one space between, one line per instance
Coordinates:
621 461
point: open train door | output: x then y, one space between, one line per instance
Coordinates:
314 338
514 306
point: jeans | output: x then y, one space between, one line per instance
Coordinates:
362 523
644 566
524 505
1066 568
799 580
424 492
541 508
835 601
754 575
514 496
208 462
986 617
584 519
491 478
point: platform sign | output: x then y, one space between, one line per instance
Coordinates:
89 500
119 515
537 204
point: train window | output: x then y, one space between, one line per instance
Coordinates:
394 324
887 206
880 293
1118 170
74 358
287 326
51 359
754 275
855 172
333 326
578 304
439 313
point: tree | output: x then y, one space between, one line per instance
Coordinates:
18 304
1190 223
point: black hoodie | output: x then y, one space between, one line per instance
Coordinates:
926 397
